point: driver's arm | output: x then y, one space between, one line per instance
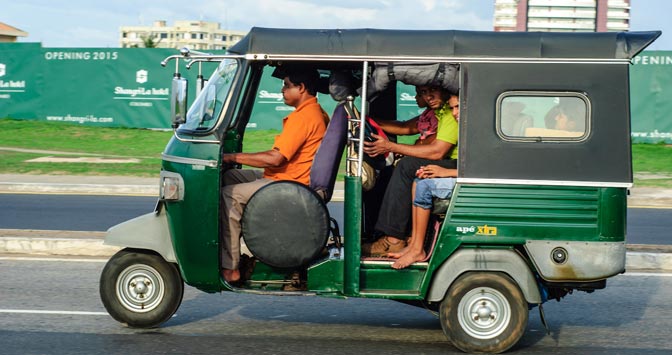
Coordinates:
268 159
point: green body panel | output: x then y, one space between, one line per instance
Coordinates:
613 214
232 141
352 238
495 216
266 272
194 222
516 213
479 216
381 281
267 277
326 277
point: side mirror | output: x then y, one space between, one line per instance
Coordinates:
178 101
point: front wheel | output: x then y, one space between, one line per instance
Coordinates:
139 289
484 313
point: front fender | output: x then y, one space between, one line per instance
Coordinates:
149 231
498 260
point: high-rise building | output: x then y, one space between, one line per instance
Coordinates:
197 35
562 15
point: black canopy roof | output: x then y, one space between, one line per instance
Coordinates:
448 43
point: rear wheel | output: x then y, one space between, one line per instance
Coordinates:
139 289
484 313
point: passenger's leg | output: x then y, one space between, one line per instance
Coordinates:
387 245
416 251
414 189
422 203
395 213
409 241
235 198
373 199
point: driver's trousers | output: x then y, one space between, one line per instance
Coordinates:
240 185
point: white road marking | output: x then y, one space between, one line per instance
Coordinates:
27 258
32 311
659 274
651 207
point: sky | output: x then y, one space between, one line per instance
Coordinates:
95 23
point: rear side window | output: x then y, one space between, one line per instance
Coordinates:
547 116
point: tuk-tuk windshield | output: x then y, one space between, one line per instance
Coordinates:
203 114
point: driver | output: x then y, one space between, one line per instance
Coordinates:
290 158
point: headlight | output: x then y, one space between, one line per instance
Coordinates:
172 187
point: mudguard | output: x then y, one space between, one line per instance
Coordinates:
149 231
498 260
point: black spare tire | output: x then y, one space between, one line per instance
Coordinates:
285 224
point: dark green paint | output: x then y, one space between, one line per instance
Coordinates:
326 277
194 221
353 234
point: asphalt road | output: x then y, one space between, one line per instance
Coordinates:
98 213
53 307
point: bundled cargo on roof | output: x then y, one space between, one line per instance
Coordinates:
444 75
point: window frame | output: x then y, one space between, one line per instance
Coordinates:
222 110
539 139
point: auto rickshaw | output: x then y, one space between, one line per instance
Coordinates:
538 210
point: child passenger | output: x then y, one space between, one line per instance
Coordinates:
425 124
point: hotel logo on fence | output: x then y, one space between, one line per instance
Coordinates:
9 87
274 98
141 76
141 96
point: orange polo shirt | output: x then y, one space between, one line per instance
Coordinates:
301 135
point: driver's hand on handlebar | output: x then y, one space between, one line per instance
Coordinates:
381 145
229 158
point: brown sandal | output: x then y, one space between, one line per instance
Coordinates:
382 246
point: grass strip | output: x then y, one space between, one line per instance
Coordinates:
147 145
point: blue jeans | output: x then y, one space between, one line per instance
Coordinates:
426 189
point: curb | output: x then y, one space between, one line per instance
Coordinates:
56 247
80 189
78 243
639 261
55 243
101 189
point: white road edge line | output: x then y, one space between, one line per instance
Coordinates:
659 274
27 258
30 311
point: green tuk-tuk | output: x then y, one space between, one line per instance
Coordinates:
537 212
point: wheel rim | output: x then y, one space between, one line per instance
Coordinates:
484 313
140 288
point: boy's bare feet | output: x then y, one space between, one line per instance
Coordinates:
231 275
400 253
397 255
409 258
